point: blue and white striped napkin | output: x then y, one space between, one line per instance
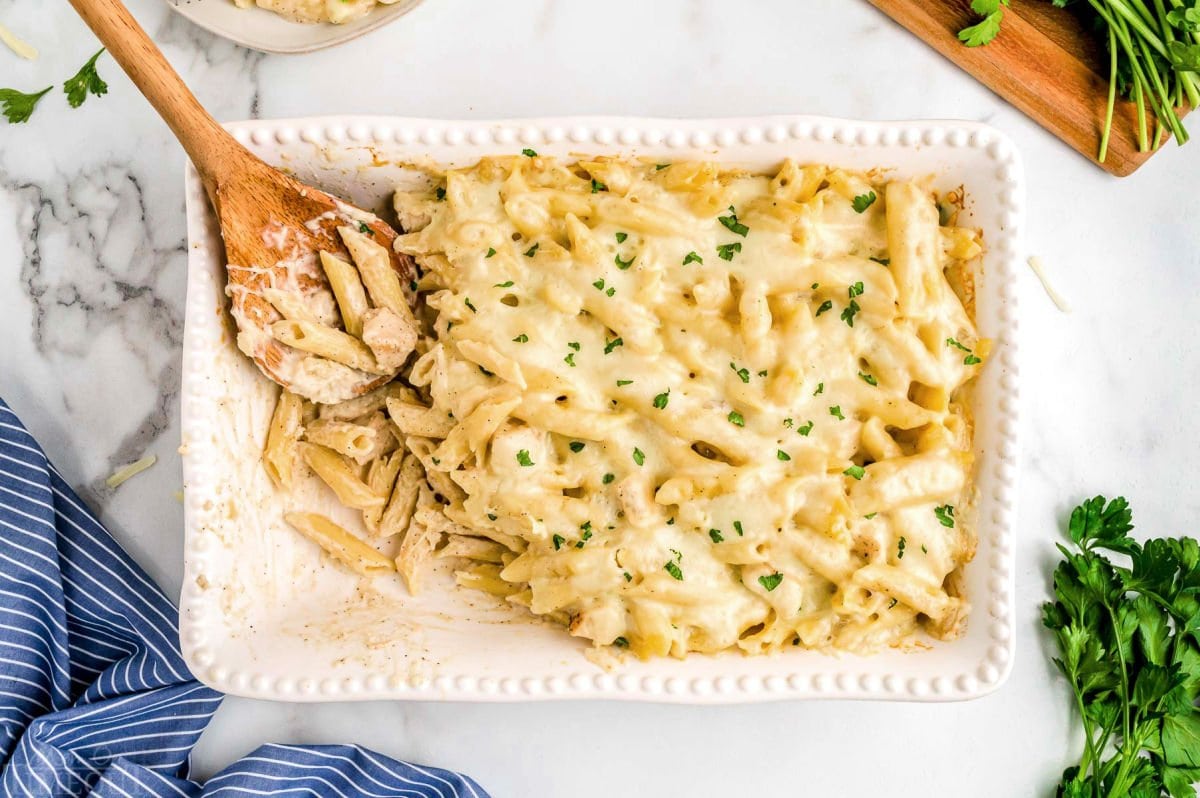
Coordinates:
94 696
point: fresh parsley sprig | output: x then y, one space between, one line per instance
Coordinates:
1129 644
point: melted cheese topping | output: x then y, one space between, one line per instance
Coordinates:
335 11
705 409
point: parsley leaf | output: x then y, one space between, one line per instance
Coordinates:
820 389
743 373
621 642
836 412
850 312
727 251
521 339
804 429
716 535
491 251
364 228
597 186
868 379
855 471
608 478
863 201
771 582
570 359
467 302
736 418
737 527
660 401
692 257
855 290
900 544
576 446
954 343
623 383
971 360
85 82
780 454
638 456
945 515
621 237
17 106
523 458
529 253
505 284
558 541
622 264
731 222
529 153
613 344
988 28
824 307
673 569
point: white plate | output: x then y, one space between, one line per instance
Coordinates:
263 30
264 614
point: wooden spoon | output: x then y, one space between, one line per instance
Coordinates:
273 225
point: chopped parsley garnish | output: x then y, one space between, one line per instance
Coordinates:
505 284
523 458
945 515
855 290
771 582
628 577
743 374
570 359
599 284
638 456
529 153
737 527
820 389
806 428
673 570
521 339
954 343
868 379
597 186
883 261
491 251
923 549
439 193
863 201
869 516
621 237
576 446
467 302
900 544
850 312
621 642
716 535
727 251
892 603
558 541
622 264
658 167
18 106
574 345
762 373
824 307
731 222
492 516
529 253
736 418
623 383
692 257
836 412
613 344
855 471
610 291
660 401
780 454
787 422
364 228
971 360
608 478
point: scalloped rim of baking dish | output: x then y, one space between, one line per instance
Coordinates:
341 153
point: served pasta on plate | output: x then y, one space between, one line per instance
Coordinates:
335 11
674 407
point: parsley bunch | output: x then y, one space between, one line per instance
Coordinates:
1154 56
1129 644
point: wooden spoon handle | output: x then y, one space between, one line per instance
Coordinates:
206 142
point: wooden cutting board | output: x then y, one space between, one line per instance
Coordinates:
1043 62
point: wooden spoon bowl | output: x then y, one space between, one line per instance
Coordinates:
273 226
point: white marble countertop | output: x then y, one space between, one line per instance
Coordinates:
92 235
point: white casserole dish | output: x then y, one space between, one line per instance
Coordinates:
264 614
266 31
